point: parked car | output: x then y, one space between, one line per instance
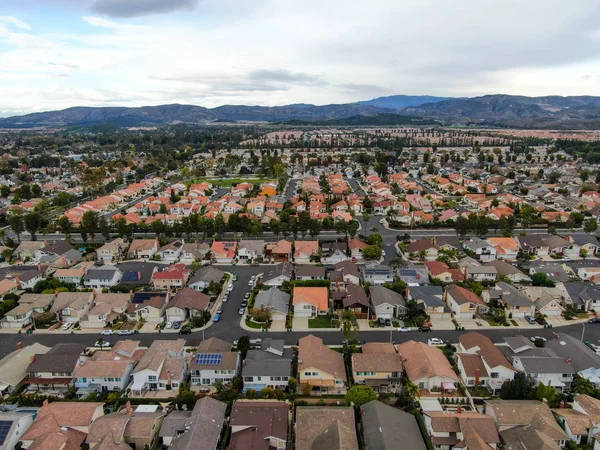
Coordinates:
244 303
256 342
436 341
246 295
177 325
535 338
107 332
234 277
251 283
220 310
125 332
185 330
217 317
253 277
424 329
230 288
103 344
241 311
404 329
225 298
381 321
530 319
594 320
388 322
67 325
169 325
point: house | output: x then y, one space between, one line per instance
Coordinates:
481 273
259 425
414 274
353 298
584 360
137 274
335 252
463 303
163 367
305 251
427 367
356 248
27 279
547 300
481 250
142 248
584 242
112 251
378 275
8 286
73 275
346 272
14 424
278 274
309 272
482 363
439 270
590 407
378 366
280 251
270 366
469 430
515 303
26 249
107 371
28 308
526 424
173 277
223 252
251 250
320 367
430 300
72 307
171 252
193 251
202 430
58 254
204 276
533 244
61 425
276 300
387 428
13 367
507 248
53 370
325 427
423 249
186 304
448 243
102 277
509 271
107 307
583 296
310 301
387 304
214 361
149 306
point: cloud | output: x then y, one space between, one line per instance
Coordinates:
137 8
18 23
105 23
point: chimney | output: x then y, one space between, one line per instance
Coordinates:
128 407
169 378
465 272
569 360
406 293
562 405
19 346
477 377
459 409
45 403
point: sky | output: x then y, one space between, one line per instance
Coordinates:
56 54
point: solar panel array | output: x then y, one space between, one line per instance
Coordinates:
209 359
408 272
131 276
4 429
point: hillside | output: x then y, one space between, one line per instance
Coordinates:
402 101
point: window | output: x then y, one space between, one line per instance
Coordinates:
151 377
494 375
566 375
82 380
249 379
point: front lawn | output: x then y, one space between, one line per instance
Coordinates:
320 322
256 325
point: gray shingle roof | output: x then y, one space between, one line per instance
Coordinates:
381 295
387 428
262 363
274 298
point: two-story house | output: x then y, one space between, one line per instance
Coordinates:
148 305
107 307
482 251
259 424
112 251
378 366
103 277
53 370
310 301
469 430
214 361
173 277
463 303
320 367
164 366
378 275
270 366
251 249
72 307
516 304
142 248
387 304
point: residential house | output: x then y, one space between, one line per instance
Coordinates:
309 272
149 306
482 363
13 367
414 274
193 251
276 300
583 242
387 304
8 286
463 303
509 271
346 272
14 424
310 301
547 300
533 244
112 251
268 367
378 275
335 252
387 428
173 277
424 249
526 424
441 271
576 424
28 308
430 300
136 273
469 430
278 274
103 277
352 298
481 273
27 249
320 367
223 252
58 254
507 248
590 407
72 307
203 428
325 427
427 367
214 361
73 275
186 304
163 367
356 248
251 250
259 425
53 370
584 360
171 252
305 251
481 250
448 243
142 248
583 296
515 303
107 307
204 276
378 366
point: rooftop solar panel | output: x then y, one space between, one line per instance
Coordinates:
131 276
4 429
209 359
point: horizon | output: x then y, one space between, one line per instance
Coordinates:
269 53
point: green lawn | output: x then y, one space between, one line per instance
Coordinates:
320 322
254 325
228 182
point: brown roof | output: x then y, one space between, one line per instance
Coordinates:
462 295
75 300
487 350
312 353
188 298
63 439
471 363
142 425
157 353
378 347
578 422
423 361
114 368
264 419
115 300
357 243
479 427
590 405
330 428
112 425
214 345
52 416
173 366
376 362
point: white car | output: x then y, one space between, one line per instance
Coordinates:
225 298
107 332
230 288
103 344
404 329
436 341
535 338
67 325
251 283
242 311
125 332
169 325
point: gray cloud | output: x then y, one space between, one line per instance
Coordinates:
136 8
282 76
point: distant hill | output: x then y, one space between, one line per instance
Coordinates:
385 119
402 101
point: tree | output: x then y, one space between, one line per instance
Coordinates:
548 393
591 225
32 222
541 279
375 239
359 395
64 224
90 222
292 385
352 228
243 346
17 225
412 390
349 325
314 227
372 252
462 226
121 227
517 388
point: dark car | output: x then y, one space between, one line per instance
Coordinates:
388 322
177 325
424 329
594 320
185 330
244 303
381 321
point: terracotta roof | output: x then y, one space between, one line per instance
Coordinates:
462 295
423 361
52 416
316 296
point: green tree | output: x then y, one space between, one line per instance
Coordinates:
17 225
64 224
516 389
462 226
591 225
372 252
375 239
244 345
349 325
541 279
412 390
32 222
359 395
90 223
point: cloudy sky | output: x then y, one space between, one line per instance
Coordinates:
60 53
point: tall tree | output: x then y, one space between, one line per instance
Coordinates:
17 225
32 222
90 223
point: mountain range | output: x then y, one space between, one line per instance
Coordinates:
580 112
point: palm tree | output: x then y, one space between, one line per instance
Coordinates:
349 325
412 390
